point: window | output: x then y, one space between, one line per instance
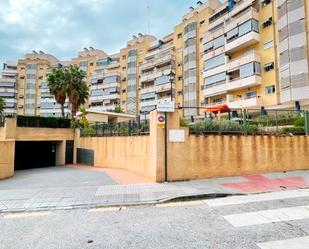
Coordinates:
265 2
22 77
270 89
31 66
202 22
267 22
111 79
218 78
268 44
251 25
83 63
214 62
31 76
250 94
180 78
268 67
214 44
98 92
123 90
124 57
179 36
91 64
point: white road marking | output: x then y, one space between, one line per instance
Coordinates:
180 204
106 209
268 216
297 243
26 215
235 200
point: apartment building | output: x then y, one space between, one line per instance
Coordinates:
293 52
8 87
32 73
240 56
157 75
105 84
131 58
187 38
245 53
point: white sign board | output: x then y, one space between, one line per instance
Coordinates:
177 136
166 106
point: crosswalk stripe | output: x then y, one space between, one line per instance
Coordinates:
296 243
268 216
26 215
235 200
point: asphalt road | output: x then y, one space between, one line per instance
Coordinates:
274 220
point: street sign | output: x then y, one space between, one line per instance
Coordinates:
166 106
160 121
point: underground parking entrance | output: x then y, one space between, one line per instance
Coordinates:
42 154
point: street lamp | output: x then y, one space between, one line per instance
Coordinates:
171 76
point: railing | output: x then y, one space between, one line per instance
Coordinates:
128 128
249 122
43 122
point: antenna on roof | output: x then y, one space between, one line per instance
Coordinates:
148 20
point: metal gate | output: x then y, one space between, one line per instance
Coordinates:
85 157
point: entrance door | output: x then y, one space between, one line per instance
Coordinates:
69 149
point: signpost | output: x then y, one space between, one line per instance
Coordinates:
165 106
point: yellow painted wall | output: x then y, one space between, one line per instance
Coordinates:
7 150
221 156
130 153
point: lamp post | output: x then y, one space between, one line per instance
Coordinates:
171 76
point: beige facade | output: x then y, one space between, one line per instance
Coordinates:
251 54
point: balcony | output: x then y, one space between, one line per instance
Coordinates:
242 42
148 65
111 96
149 89
148 103
164 88
233 22
245 103
216 89
242 60
147 77
247 82
167 59
109 85
9 73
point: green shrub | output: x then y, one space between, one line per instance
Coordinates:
292 130
43 122
88 131
299 122
183 122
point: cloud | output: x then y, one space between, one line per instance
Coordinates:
63 27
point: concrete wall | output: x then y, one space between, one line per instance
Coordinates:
197 157
129 153
7 150
220 156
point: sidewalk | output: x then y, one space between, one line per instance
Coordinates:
33 199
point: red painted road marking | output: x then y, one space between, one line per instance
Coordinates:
260 183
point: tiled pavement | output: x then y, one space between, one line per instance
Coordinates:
82 189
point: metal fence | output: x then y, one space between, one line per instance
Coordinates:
249 122
129 128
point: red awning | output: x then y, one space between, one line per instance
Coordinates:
218 108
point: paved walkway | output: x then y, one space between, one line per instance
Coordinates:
94 189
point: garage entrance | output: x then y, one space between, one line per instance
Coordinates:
38 154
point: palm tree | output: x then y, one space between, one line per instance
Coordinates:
2 105
77 89
58 86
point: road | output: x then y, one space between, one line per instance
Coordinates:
277 220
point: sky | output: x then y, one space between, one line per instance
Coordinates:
64 27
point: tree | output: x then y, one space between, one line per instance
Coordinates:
58 86
77 89
2 105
